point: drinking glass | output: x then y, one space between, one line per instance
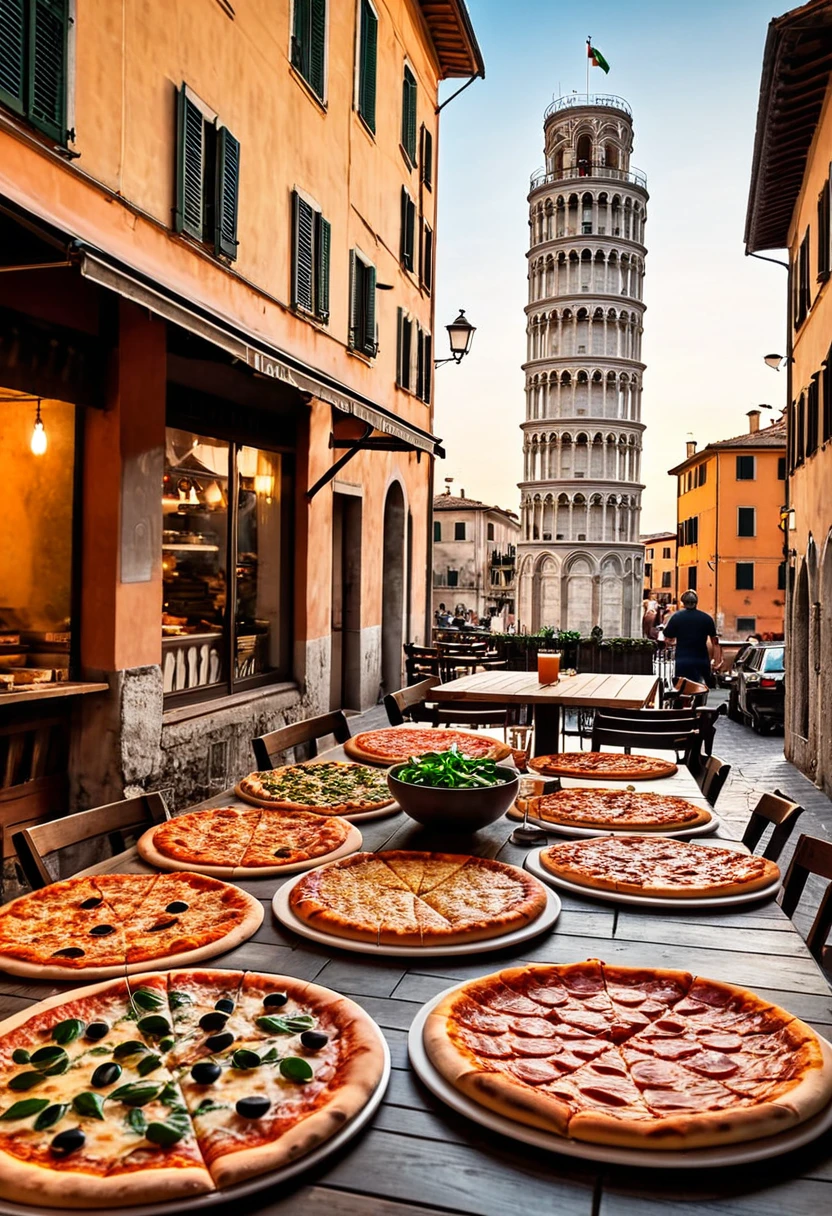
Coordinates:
548 666
520 742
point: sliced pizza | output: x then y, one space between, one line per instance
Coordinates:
618 810
611 766
326 787
399 743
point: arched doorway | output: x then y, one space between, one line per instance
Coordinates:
393 589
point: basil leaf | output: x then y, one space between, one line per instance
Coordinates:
294 1068
99 1051
148 999
148 1064
154 1025
243 1058
132 1047
89 1104
22 1110
68 1031
207 1106
137 1093
136 1121
20 1055
51 1116
46 1058
178 1000
25 1080
292 1023
173 1129
170 1095
271 1056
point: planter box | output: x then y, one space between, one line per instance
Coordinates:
520 654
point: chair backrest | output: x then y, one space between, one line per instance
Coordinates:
466 648
776 809
683 742
712 778
691 688
268 748
410 704
672 716
812 856
39 841
420 652
420 661
449 715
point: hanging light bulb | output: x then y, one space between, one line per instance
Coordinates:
38 441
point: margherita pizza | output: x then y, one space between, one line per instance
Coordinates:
326 787
233 841
611 766
644 865
401 898
399 743
123 1094
637 1057
110 924
618 810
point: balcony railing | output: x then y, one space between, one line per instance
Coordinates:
542 177
575 100
503 559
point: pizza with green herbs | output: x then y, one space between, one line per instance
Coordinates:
330 787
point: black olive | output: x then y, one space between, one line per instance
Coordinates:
105 1074
163 924
225 1005
68 1142
314 1040
214 1020
101 930
219 1042
284 852
253 1108
205 1072
178 905
275 998
69 952
96 1031
93 902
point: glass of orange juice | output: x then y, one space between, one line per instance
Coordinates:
548 666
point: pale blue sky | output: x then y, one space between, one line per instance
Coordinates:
691 72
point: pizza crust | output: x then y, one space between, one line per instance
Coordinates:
149 853
247 790
22 1182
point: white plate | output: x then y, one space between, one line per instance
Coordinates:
352 844
565 829
696 1158
230 1194
534 866
280 906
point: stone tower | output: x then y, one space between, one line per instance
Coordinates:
579 559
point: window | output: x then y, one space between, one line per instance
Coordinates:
409 115
812 416
489 532
823 232
745 468
226 554
781 576
702 469
746 521
408 235
437 530
800 430
648 572
426 154
426 257
666 553
453 578
367 61
424 364
744 576
650 554
800 282
667 578
404 350
309 42
459 531
311 240
746 624
693 572
689 531
827 397
33 63
781 468
362 336
207 176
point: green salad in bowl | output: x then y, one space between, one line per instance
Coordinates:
446 790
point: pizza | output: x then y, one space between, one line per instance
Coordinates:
618 810
399 743
643 865
113 924
611 766
402 898
120 1093
233 841
329 787
637 1057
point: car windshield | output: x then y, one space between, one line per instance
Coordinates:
773 659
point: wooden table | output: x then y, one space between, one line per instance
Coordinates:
589 690
418 1158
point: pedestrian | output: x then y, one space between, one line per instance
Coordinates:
695 634
648 619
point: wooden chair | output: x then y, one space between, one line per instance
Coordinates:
466 714
687 693
411 704
712 777
774 809
268 748
420 662
812 856
685 743
132 816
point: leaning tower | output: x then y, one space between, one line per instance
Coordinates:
579 560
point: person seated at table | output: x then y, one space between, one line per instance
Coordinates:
697 643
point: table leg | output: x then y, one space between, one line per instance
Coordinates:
546 729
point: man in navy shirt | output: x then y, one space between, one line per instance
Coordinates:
694 631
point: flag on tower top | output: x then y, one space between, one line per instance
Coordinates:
598 60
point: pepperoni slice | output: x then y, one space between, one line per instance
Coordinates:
490 1046
534 1047
536 1028
535 1072
713 1064
482 1021
722 1042
551 997
654 1072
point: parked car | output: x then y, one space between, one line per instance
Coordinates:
761 686
728 677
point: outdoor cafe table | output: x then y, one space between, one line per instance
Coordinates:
418 1158
588 690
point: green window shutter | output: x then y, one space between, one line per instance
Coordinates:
367 65
409 114
407 353
303 263
427 157
317 46
399 324
420 362
354 298
227 193
408 230
403 238
426 267
301 30
190 167
369 311
324 242
46 100
427 359
12 54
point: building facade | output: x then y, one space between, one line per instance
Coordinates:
230 526
474 557
729 542
580 558
789 208
660 567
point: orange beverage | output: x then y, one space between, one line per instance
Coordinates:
548 666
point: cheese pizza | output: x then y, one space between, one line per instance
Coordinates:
637 1057
399 743
618 810
121 1094
327 787
611 766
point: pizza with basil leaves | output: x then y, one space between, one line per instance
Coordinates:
328 787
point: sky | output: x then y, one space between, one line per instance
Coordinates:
691 73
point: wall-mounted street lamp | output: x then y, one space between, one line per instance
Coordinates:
460 335
775 362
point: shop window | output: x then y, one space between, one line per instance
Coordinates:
459 531
311 240
33 63
437 530
225 564
309 42
367 66
362 336
745 468
408 232
746 521
409 115
744 576
207 176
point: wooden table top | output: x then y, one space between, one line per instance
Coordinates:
587 690
418 1158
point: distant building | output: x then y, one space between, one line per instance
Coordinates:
729 543
474 552
660 567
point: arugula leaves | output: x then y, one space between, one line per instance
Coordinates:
450 770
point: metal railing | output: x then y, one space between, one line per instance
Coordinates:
543 177
574 100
